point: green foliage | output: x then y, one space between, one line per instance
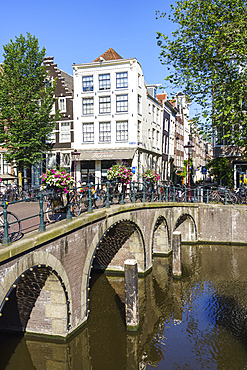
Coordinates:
219 167
207 58
25 101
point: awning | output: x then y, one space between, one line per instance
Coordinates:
106 155
8 176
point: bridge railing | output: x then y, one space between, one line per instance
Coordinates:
48 205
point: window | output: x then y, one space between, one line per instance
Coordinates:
88 133
87 106
104 104
139 139
62 104
104 82
139 104
51 160
51 137
122 103
87 83
65 160
153 138
121 80
105 132
122 131
65 132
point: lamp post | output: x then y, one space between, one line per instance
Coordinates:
75 154
189 146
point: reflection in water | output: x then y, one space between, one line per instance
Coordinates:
196 322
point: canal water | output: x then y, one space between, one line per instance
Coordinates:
196 322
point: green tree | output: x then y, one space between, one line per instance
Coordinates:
26 101
219 167
206 57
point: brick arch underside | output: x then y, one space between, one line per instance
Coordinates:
161 237
36 302
121 241
187 226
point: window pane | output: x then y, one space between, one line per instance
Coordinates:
87 106
104 82
122 103
105 104
62 104
104 131
87 83
122 80
122 131
88 132
65 132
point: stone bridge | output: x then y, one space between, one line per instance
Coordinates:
45 277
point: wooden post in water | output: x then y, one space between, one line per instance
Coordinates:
131 294
177 255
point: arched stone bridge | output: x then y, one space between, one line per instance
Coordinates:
45 277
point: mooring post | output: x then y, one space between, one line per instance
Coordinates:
131 295
177 255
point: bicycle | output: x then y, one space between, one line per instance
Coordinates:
14 229
56 208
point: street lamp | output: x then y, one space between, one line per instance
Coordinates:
189 146
75 154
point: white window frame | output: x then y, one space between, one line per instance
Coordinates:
88 106
122 131
64 136
88 131
87 83
62 104
122 103
104 104
104 132
121 80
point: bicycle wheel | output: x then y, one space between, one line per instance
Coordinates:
14 230
76 208
52 215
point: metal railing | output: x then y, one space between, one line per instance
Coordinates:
88 197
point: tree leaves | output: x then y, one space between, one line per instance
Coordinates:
207 53
25 101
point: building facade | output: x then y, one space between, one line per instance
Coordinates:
62 138
115 118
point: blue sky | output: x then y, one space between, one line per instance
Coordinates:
80 31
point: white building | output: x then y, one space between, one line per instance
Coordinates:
115 117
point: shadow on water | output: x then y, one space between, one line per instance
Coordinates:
227 313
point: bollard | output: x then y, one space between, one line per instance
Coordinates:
177 256
131 295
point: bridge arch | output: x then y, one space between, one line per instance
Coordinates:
36 296
161 244
187 225
125 235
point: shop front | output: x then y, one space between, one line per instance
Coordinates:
93 165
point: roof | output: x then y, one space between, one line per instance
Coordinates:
161 97
110 54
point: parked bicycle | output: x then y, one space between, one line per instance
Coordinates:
57 205
14 226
